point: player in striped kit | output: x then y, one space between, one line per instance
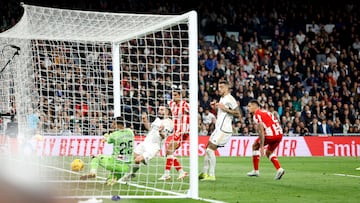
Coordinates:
180 111
227 109
270 134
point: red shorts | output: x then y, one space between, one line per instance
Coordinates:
179 138
271 141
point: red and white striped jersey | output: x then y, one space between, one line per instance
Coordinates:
271 124
180 115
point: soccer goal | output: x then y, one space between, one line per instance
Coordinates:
67 73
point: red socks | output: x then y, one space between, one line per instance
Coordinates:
177 164
169 163
256 160
275 161
170 160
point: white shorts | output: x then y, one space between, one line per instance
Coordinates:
147 150
220 138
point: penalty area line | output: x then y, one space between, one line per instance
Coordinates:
210 200
346 175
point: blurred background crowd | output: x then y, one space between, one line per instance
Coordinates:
299 58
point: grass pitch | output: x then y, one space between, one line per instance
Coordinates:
310 179
307 179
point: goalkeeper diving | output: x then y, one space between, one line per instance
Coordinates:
159 129
120 161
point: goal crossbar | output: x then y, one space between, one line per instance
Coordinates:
43 27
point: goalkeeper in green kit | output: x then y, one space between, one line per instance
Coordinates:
119 162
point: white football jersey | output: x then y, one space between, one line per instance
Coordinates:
153 135
224 119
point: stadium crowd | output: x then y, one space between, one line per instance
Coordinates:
299 60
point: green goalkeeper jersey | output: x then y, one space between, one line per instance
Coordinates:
122 141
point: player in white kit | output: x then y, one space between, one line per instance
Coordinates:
159 129
227 108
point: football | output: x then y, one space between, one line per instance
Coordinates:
77 165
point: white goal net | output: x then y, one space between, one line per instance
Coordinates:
67 73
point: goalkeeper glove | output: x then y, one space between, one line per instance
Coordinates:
105 138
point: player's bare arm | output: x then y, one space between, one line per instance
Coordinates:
235 112
173 145
260 130
139 159
162 132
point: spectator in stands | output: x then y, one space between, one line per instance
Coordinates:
32 122
300 37
356 126
325 127
336 74
12 128
237 128
346 126
308 116
245 132
219 40
337 127
210 62
208 118
356 44
82 107
248 96
303 130
203 131
204 101
315 126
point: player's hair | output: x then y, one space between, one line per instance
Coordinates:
224 82
254 101
167 107
176 88
119 121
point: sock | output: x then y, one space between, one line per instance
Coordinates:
206 164
177 165
273 158
93 171
256 159
212 161
169 162
135 168
94 165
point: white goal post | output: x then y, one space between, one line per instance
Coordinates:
67 73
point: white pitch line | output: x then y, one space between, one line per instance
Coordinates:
210 200
178 195
346 175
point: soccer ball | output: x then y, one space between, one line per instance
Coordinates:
77 165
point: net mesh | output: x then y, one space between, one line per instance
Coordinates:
60 89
